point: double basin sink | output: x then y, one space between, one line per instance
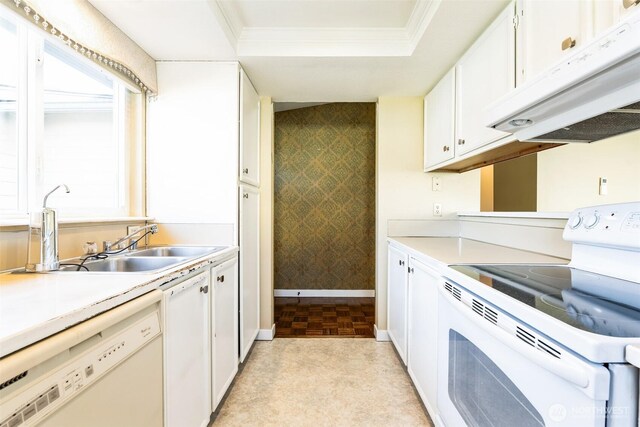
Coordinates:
146 260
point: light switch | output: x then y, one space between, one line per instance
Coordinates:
435 183
602 190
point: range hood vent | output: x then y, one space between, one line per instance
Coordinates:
611 123
591 95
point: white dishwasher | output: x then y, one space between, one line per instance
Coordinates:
106 371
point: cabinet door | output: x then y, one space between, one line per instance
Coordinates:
423 330
224 327
397 300
548 30
249 267
192 137
249 132
609 12
187 353
439 113
484 74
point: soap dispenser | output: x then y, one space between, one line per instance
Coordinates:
42 253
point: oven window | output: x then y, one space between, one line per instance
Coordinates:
481 392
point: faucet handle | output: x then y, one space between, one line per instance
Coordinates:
106 245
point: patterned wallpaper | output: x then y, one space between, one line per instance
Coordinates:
325 197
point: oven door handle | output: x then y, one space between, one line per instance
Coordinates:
591 380
632 355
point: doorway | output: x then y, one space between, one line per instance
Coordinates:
324 220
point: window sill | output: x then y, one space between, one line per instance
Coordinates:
17 224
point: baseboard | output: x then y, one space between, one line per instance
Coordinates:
266 334
344 293
381 335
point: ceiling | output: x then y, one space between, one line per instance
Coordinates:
312 50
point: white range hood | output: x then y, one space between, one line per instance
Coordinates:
592 94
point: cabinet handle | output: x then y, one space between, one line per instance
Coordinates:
628 3
204 289
445 148
220 279
245 195
245 170
568 43
400 262
410 269
461 142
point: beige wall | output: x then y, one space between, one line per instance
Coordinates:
266 213
568 175
514 185
404 191
486 189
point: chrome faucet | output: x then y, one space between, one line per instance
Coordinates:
107 245
45 224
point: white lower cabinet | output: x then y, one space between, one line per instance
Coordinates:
187 385
224 328
423 329
397 300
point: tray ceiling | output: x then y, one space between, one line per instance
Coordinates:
312 50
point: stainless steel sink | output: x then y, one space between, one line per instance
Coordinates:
146 260
177 251
129 264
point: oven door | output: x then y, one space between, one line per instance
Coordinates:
488 376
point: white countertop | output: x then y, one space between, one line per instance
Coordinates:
444 251
547 215
35 306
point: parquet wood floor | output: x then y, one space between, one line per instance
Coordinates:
324 317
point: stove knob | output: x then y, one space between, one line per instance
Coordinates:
591 221
575 222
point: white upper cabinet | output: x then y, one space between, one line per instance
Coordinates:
249 132
439 113
192 143
484 74
610 12
547 30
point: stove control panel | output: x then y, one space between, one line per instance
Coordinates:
616 226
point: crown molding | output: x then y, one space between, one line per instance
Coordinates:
325 42
228 19
419 20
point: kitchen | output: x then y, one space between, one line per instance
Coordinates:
220 69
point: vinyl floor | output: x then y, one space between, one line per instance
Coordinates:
324 317
317 383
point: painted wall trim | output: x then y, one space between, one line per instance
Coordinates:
266 334
353 293
380 334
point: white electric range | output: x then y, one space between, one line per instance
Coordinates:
546 345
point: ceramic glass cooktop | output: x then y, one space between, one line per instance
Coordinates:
588 301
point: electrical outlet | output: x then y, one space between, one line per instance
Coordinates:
436 184
437 209
602 186
132 228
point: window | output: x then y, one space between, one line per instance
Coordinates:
75 123
10 155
